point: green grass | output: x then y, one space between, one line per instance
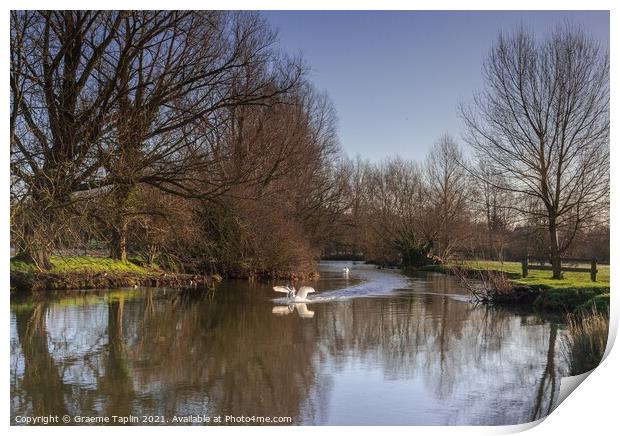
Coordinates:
574 293
542 279
63 265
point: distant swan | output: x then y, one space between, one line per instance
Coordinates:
345 270
295 295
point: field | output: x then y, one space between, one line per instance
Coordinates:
574 293
572 280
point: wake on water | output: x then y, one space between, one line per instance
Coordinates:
375 282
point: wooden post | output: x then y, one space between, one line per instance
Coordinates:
593 270
524 263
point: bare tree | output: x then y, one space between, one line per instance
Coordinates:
397 213
60 106
543 122
493 204
182 99
278 173
103 101
447 189
353 235
404 211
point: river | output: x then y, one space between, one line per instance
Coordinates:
372 348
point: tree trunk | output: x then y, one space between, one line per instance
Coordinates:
118 242
491 246
36 246
489 230
39 256
554 250
34 231
120 222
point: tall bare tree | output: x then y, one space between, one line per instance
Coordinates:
447 189
397 212
61 100
102 101
493 204
182 97
543 122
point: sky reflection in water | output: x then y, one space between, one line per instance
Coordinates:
379 348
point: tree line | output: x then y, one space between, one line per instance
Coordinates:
534 179
164 133
190 140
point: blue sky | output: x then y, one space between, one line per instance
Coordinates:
396 78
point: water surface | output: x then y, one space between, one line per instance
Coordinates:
375 347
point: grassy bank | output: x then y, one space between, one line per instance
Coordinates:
575 292
62 265
543 279
85 272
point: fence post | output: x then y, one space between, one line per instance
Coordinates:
593 270
524 263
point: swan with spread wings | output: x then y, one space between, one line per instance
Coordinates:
299 296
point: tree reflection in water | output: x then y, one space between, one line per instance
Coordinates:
169 353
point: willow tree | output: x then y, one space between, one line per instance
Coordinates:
62 94
102 101
182 96
543 122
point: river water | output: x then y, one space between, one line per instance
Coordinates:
373 348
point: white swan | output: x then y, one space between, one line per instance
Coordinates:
346 270
295 295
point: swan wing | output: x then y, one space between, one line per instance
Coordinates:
304 291
281 289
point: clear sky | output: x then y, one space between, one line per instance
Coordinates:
396 78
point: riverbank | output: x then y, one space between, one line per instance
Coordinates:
86 272
574 293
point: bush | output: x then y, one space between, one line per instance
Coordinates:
413 253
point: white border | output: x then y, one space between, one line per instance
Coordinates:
591 410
